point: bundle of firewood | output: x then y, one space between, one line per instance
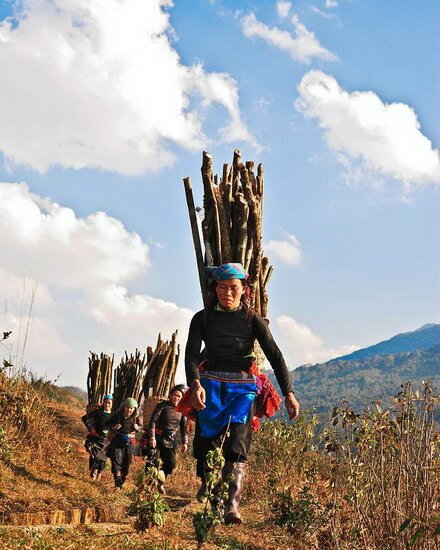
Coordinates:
99 378
232 224
160 374
162 365
128 378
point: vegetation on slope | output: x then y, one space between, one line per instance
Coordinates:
368 481
364 381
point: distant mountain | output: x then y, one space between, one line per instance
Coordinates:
77 392
370 374
425 337
363 381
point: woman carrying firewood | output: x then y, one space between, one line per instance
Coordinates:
125 423
224 387
97 423
162 429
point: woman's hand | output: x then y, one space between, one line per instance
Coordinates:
292 405
198 395
190 426
184 447
152 442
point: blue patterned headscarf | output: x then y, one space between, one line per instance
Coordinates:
226 271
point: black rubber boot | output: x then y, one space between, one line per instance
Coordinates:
232 514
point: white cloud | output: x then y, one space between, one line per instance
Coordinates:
303 346
100 84
287 250
385 137
331 3
83 267
283 9
88 251
303 46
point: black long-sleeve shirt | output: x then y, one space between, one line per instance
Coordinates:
165 421
128 425
99 420
229 340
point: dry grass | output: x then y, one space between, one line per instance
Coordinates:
43 466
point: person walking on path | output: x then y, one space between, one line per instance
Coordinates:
97 423
223 388
125 424
162 430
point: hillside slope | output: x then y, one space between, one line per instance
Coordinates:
363 381
425 337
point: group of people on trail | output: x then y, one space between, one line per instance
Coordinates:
226 393
123 424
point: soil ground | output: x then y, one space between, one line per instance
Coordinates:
61 483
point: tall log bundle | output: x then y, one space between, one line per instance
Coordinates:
99 378
160 375
232 226
128 378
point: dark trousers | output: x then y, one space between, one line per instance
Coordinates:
166 455
235 449
121 457
96 464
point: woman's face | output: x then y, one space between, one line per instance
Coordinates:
229 293
128 411
175 397
107 405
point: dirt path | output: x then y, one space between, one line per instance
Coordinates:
93 516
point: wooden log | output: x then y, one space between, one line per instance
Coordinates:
250 170
196 239
206 231
241 224
235 172
226 192
225 246
211 221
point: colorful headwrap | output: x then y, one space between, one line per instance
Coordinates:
226 271
108 396
130 402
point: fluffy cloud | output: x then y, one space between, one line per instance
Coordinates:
287 250
303 46
83 267
49 243
283 8
99 84
385 137
303 346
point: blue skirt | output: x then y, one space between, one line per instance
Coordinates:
229 399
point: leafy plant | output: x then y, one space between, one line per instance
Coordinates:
303 515
148 504
216 491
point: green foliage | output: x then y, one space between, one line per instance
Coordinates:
362 381
303 515
389 468
148 504
205 521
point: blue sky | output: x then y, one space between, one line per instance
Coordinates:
106 106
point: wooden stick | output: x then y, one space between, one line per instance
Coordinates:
196 238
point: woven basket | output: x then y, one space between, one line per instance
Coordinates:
149 406
91 407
